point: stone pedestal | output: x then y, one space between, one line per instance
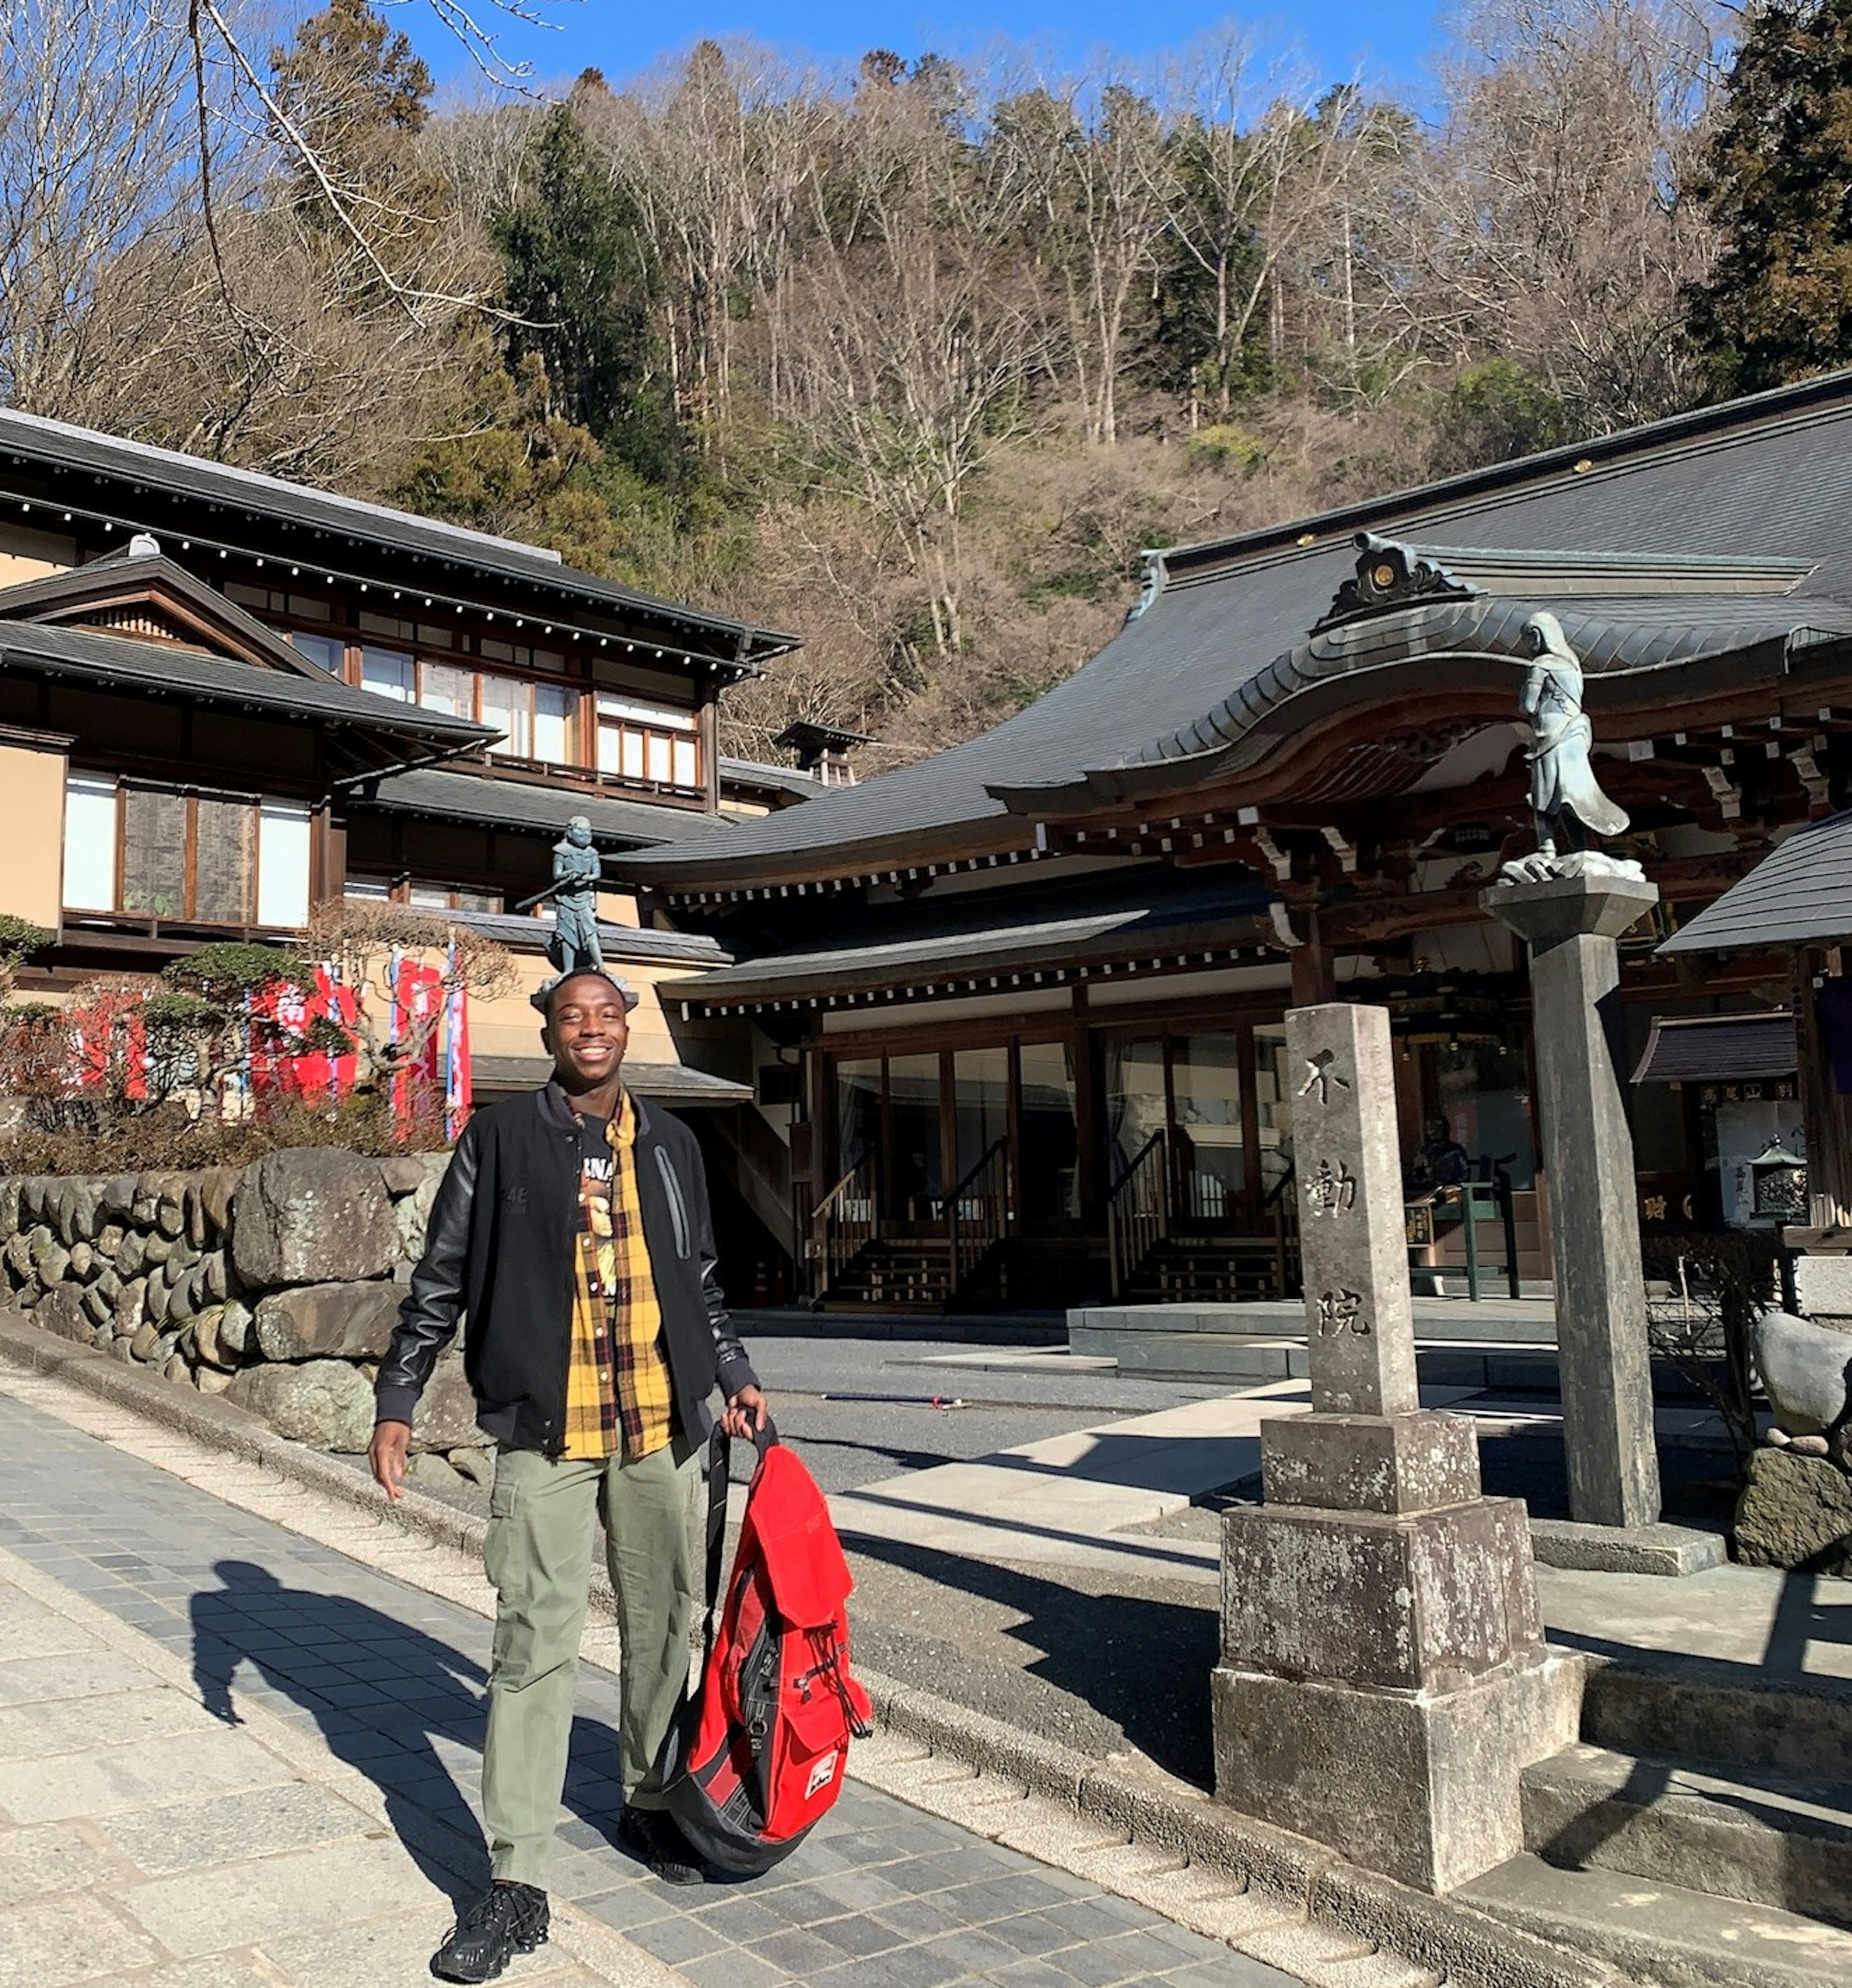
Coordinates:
1384 1680
1570 925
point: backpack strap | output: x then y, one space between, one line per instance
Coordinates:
720 1460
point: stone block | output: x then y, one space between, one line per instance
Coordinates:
50 1258
311 1214
446 1417
1422 1786
131 1259
325 1403
9 1208
1670 1552
217 1187
1794 1512
116 1196
1408 1602
404 1173
62 1311
1823 1284
1412 1462
234 1324
318 1321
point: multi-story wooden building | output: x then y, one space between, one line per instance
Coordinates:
223 698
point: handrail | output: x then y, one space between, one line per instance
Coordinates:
978 1211
845 1221
1138 1209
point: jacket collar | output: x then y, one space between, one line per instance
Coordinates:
558 1113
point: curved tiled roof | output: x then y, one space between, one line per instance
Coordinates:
1770 478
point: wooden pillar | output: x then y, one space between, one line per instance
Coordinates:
1314 970
1825 1114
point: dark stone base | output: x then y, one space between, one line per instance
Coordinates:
1795 1511
1422 1786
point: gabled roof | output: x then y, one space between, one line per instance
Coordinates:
1698 1048
145 484
368 733
1800 895
1767 480
178 603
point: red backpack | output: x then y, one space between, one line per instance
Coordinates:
758 1757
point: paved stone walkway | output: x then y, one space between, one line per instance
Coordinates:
370 1673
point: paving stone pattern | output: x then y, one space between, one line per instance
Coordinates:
882 1896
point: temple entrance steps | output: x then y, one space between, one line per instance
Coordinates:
1704 1811
910 1273
1215 1270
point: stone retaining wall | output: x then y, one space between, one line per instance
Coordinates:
276 1284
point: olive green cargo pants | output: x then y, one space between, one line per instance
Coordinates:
544 1515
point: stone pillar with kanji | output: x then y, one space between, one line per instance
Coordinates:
1384 1679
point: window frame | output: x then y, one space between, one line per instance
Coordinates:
255 806
638 718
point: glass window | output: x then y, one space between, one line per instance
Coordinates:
443 687
387 673
89 843
282 866
326 652
1206 1076
1135 1100
648 742
1048 1169
505 704
372 890
980 1107
858 1124
225 861
1484 1092
913 1103
154 852
554 705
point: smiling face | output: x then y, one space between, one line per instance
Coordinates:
587 1029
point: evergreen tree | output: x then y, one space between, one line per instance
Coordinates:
1777 179
580 274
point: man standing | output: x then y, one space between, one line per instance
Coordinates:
572 1230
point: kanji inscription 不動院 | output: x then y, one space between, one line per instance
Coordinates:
1352 1239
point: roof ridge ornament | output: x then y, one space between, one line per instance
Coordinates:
1390 574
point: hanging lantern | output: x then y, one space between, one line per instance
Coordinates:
1778 1181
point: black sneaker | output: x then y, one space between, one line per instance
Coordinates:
652 1837
508 1919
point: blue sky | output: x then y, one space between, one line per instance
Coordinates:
1386 41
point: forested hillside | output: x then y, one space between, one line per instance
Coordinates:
910 360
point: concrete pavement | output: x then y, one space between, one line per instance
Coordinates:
236 1757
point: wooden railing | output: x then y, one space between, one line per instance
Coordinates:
977 1212
1138 1209
1282 1204
846 1221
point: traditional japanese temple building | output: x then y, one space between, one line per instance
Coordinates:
1004 1026
1016 1009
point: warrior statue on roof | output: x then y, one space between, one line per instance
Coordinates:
575 947
1566 799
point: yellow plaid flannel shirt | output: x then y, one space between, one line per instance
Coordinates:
617 1393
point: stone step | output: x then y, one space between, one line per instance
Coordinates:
1249 1357
1662 1935
1702 1709
1747 1834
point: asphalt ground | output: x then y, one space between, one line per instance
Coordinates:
1108 1663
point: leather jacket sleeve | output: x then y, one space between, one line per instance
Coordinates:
433 1306
732 1369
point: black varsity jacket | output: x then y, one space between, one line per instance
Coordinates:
499 1253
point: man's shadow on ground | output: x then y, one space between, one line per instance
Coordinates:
316 1649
